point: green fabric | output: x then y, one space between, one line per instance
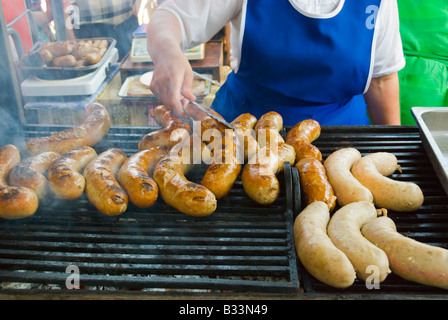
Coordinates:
424 33
423 83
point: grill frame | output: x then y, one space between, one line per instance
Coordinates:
232 250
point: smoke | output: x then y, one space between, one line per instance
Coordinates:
11 129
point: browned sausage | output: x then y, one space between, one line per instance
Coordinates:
225 167
94 57
30 173
259 176
314 182
135 176
15 202
95 126
301 136
46 55
176 190
64 61
174 130
102 187
64 177
59 49
267 129
244 129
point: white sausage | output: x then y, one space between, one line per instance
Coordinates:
408 258
346 187
372 171
315 250
344 230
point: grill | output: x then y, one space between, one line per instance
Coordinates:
241 248
429 224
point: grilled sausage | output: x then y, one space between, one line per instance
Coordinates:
301 136
317 252
15 202
135 176
344 231
30 173
267 129
244 130
408 258
46 55
259 176
208 127
176 190
81 49
59 49
95 126
173 131
64 61
95 57
225 167
373 170
346 187
64 176
102 187
100 43
314 182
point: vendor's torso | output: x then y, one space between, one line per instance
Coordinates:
301 59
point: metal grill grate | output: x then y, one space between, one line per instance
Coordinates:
241 247
429 224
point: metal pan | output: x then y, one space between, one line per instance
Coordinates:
59 73
434 133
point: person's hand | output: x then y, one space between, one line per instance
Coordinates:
172 81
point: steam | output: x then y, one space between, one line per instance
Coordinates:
11 129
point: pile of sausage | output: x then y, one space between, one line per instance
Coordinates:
356 239
54 163
66 164
78 53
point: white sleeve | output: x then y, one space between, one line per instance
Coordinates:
388 54
200 20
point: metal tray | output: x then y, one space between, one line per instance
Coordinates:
123 92
59 73
433 126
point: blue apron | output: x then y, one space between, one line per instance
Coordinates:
300 66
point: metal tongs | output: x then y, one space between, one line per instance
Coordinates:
208 112
207 78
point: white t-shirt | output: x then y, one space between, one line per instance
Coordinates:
200 20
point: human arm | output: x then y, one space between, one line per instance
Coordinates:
383 101
190 24
173 75
382 96
43 17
